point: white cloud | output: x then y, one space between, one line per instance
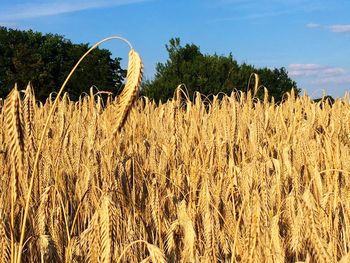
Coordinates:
339 28
46 8
342 80
320 75
312 25
309 70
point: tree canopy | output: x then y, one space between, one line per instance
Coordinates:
46 60
210 74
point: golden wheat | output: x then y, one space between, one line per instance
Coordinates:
234 180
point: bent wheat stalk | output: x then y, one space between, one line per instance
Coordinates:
129 96
256 83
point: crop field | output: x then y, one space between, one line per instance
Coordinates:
232 180
235 179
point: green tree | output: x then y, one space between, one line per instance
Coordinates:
209 74
46 60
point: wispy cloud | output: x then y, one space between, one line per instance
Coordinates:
339 28
320 74
46 8
343 80
253 16
308 70
312 25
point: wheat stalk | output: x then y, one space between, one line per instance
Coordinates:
23 227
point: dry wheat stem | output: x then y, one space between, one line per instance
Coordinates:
23 228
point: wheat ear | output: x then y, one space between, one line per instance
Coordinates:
189 234
130 91
28 117
4 244
14 132
14 127
108 228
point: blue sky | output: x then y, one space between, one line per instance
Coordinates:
310 38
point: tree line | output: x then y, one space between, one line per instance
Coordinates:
46 59
211 74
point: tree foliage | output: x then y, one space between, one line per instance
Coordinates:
46 60
210 74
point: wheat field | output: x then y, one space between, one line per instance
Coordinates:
235 179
